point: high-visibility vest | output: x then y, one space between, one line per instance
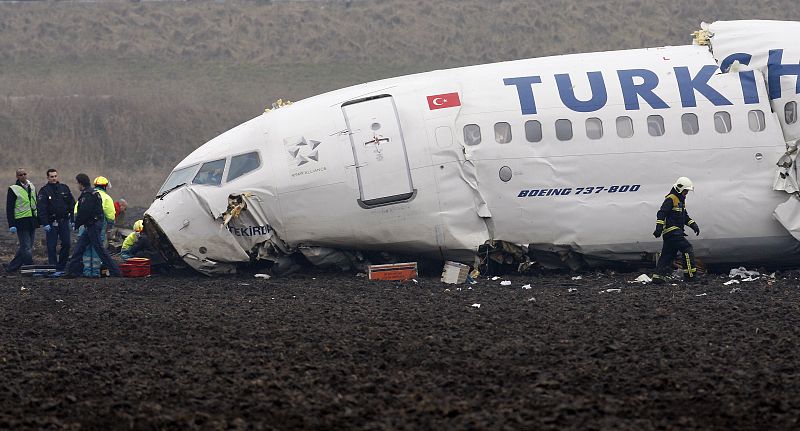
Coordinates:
26 202
130 240
108 206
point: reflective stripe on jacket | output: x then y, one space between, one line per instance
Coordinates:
108 206
25 205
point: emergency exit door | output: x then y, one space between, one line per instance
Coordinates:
379 151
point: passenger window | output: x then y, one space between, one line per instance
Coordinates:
594 128
243 164
722 122
472 134
690 124
563 130
624 127
502 133
790 112
655 125
533 131
210 173
755 120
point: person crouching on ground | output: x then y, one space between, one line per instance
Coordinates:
90 215
22 219
671 218
130 241
55 204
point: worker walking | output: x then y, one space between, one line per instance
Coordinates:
672 217
90 215
55 203
22 219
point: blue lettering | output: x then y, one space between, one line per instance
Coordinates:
746 78
776 70
533 193
524 86
567 93
566 191
522 193
631 92
688 85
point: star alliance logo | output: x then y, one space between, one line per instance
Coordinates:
301 150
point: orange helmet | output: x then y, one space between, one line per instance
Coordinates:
101 181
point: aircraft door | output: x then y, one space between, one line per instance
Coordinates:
376 138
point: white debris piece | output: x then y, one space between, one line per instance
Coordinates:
361 274
495 278
572 289
643 279
532 299
577 277
736 289
527 287
59 300
702 294
264 276
476 305
611 291
505 283
728 283
22 288
744 274
414 280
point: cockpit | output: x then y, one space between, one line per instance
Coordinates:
211 173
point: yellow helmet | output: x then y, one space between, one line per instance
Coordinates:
101 181
138 226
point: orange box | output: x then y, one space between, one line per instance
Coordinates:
393 271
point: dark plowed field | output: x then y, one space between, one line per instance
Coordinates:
336 351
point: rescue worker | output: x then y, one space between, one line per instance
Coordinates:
671 219
22 219
90 215
131 240
55 202
101 184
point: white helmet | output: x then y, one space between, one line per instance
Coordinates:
682 184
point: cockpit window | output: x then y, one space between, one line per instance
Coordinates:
210 173
243 164
178 177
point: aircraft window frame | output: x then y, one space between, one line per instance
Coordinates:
625 128
229 177
655 125
790 112
563 125
690 124
502 132
722 122
756 120
211 181
471 138
533 131
172 181
594 128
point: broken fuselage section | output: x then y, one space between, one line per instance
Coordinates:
567 157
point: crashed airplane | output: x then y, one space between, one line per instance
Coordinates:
566 158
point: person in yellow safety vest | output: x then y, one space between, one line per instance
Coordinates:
131 240
101 184
23 219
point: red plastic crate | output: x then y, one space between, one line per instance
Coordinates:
135 267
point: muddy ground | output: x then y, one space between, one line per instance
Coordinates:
336 351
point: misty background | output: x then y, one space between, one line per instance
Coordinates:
127 89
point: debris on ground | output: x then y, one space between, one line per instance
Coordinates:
505 283
643 279
264 276
744 274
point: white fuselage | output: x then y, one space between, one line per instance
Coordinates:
575 152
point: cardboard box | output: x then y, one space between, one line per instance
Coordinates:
393 271
454 273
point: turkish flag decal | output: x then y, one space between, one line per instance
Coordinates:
439 101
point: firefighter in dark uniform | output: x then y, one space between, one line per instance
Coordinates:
672 217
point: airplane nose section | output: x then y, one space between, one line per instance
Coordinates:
187 229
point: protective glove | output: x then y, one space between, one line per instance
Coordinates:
46 228
12 229
657 232
695 228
